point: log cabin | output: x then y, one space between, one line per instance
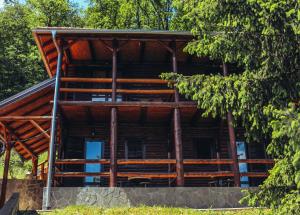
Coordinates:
107 119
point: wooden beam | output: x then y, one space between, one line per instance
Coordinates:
41 50
232 140
34 166
114 70
156 175
206 161
38 127
255 174
257 161
82 161
122 91
178 148
23 145
80 174
113 148
166 46
128 104
109 80
208 174
164 161
25 118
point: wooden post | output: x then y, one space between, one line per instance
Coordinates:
5 172
114 70
113 148
232 140
178 148
43 171
177 129
113 122
34 166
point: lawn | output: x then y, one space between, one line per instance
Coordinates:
85 210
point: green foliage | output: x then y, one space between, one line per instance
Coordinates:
54 13
20 66
131 14
20 62
281 190
17 167
261 37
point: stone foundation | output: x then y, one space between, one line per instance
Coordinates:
191 197
31 193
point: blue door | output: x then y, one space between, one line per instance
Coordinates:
93 151
243 167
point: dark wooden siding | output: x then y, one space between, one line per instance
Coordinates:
158 139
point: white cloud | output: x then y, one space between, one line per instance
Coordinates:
1 3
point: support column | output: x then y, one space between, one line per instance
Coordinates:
34 166
177 129
5 172
113 148
113 121
178 148
232 140
51 153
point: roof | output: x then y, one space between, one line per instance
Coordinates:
25 93
34 101
109 32
90 46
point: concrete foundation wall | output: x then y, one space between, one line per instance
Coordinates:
192 197
31 193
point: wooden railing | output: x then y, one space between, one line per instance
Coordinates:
163 162
42 170
119 80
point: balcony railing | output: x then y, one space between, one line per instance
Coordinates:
155 175
132 86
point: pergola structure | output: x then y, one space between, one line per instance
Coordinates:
32 121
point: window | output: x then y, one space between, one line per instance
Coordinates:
134 149
243 167
203 148
93 151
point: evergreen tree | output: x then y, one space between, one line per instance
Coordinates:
261 37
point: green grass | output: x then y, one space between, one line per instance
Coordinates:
143 210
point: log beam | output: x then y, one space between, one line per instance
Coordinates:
119 80
38 127
232 140
25 118
34 166
23 145
113 148
122 91
113 120
178 148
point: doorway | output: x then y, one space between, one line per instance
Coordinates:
93 151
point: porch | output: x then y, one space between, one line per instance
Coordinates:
146 147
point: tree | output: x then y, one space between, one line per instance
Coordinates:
54 13
261 37
130 14
20 62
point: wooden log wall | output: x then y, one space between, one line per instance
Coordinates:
158 142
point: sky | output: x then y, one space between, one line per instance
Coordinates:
1 3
